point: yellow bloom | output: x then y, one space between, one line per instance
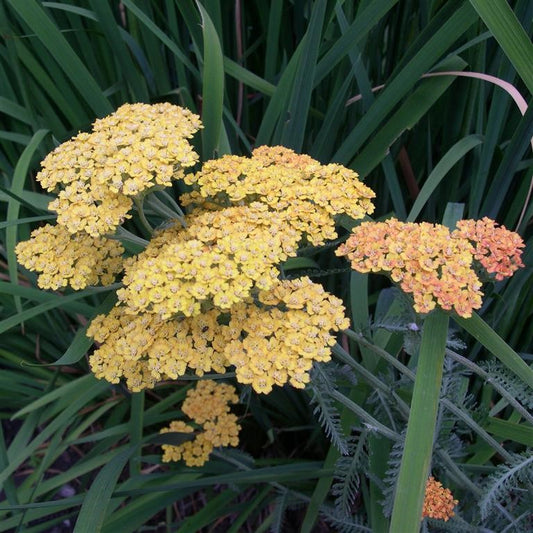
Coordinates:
75 260
306 194
217 259
97 174
438 501
207 406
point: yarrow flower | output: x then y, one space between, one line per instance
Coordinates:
270 341
305 193
432 263
144 349
425 259
75 260
134 149
496 248
207 406
218 258
438 501
280 338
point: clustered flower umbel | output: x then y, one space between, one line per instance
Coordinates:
207 406
97 175
433 264
271 341
206 295
438 501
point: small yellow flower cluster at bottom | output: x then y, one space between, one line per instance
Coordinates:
438 501
207 406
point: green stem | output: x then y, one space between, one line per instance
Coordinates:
161 208
136 430
414 469
142 216
123 234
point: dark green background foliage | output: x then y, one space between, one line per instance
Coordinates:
344 82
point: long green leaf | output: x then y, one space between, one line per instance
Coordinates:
35 17
482 332
94 508
452 156
510 34
402 83
416 458
212 88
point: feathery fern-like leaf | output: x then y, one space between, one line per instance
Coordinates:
328 415
346 474
511 482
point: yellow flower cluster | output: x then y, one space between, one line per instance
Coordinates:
207 406
438 501
63 259
280 339
218 258
98 173
427 261
271 341
306 194
497 249
144 349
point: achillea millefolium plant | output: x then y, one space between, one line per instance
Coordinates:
207 294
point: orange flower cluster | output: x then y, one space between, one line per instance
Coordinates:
438 501
207 406
497 249
432 263
423 258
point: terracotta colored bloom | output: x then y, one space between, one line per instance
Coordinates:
496 248
75 260
207 406
424 259
438 501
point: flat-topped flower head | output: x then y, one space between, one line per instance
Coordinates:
217 260
65 260
424 259
298 188
277 341
134 149
143 350
208 407
438 501
497 249
433 264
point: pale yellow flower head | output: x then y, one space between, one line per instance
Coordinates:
207 406
305 193
65 260
217 260
276 341
128 152
144 350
